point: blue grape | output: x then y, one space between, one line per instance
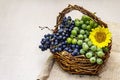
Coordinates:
48 43
67 26
76 50
41 46
61 26
51 36
57 34
48 35
42 42
45 47
72 23
60 37
52 43
66 29
73 46
66 35
60 30
70 29
63 46
66 49
56 49
45 35
59 49
76 46
63 34
70 50
48 46
74 53
69 18
46 39
63 43
56 43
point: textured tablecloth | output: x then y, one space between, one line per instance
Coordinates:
111 71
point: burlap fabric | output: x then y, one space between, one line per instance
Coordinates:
111 71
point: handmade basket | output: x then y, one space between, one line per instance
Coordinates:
78 64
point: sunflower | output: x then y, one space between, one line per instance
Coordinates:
100 36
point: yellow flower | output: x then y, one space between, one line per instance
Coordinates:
100 36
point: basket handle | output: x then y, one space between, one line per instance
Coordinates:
82 10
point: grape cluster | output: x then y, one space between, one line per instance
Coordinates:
56 42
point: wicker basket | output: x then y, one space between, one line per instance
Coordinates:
78 64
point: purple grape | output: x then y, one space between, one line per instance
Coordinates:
73 23
60 30
73 46
56 49
61 26
74 53
63 46
66 49
69 18
59 49
70 50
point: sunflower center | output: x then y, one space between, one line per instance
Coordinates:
100 37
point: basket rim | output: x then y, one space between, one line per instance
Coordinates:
84 11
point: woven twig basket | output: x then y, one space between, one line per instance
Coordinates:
78 64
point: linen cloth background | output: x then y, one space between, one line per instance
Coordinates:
111 71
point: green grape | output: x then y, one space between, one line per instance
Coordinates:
89 54
80 36
105 49
88 27
85 18
76 28
100 54
74 41
99 49
93 48
77 23
74 32
79 42
69 22
69 40
91 23
72 36
82 52
81 22
86 39
85 46
87 32
84 26
93 59
99 61
76 19
85 36
82 31
87 22
95 25
88 18
89 43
